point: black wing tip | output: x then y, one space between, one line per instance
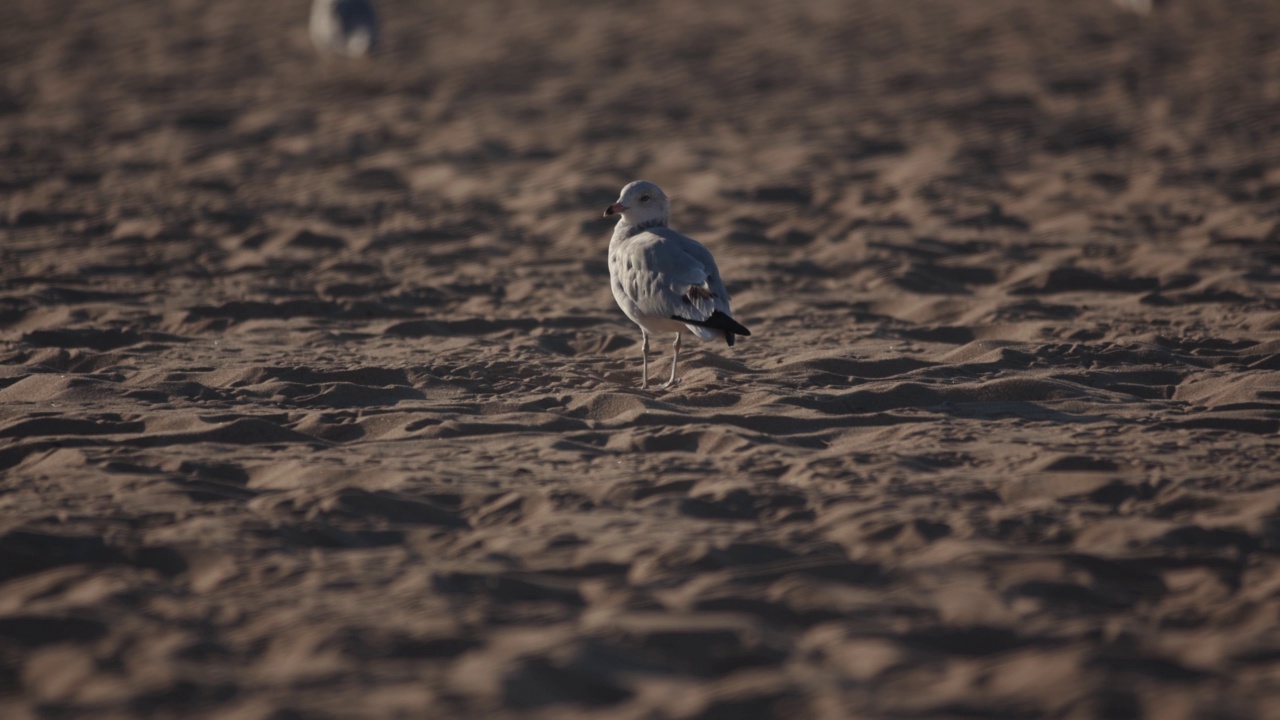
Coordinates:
719 321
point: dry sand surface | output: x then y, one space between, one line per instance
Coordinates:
314 401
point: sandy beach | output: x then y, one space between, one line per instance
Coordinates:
315 402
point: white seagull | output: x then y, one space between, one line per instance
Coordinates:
662 280
345 27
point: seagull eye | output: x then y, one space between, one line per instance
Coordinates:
644 198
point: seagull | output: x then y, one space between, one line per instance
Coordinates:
345 27
662 280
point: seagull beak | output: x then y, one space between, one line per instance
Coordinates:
615 208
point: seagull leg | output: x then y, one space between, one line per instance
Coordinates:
644 360
675 358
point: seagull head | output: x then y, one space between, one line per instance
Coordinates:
641 203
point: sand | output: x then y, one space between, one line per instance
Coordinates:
314 401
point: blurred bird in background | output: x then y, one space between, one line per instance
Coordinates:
344 27
1141 7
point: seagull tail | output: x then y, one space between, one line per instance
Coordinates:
718 321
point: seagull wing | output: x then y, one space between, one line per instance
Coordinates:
669 275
